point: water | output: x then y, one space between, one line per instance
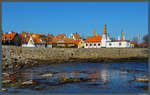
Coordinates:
84 78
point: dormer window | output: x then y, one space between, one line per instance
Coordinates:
61 41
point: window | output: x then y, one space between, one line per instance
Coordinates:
110 44
90 44
94 44
99 44
60 40
119 44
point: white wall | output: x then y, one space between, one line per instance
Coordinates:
116 44
87 45
49 45
40 45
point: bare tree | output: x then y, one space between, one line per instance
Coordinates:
112 39
145 38
135 40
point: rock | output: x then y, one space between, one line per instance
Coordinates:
5 74
28 82
141 78
3 89
47 75
6 81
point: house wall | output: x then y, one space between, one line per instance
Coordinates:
116 44
24 45
91 45
104 40
81 44
131 45
30 43
49 45
40 45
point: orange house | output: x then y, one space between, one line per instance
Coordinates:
11 38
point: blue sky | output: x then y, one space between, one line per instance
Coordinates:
80 17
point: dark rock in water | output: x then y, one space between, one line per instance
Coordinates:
39 88
129 70
144 87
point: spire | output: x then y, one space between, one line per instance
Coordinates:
105 29
122 35
94 32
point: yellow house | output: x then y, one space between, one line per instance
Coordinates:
79 43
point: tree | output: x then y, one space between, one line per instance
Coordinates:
135 40
112 39
145 38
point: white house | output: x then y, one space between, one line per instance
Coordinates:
36 41
30 43
93 41
75 36
104 41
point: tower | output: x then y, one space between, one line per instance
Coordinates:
122 35
94 32
105 32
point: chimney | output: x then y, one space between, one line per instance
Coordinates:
122 35
93 32
105 29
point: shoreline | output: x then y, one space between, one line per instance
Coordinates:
17 64
20 57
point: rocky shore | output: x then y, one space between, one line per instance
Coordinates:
18 57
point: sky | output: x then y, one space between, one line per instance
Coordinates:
80 17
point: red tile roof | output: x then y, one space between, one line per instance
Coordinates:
142 44
93 39
61 36
63 40
76 35
131 42
10 36
76 42
25 37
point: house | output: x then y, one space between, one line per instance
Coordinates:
11 38
63 42
35 40
93 41
119 43
75 36
60 36
132 44
104 41
24 38
79 43
49 40
144 44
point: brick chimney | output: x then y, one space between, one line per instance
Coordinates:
94 32
105 29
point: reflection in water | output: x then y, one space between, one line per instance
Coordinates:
95 78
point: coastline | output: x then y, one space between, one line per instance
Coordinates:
20 57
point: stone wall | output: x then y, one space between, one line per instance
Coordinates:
74 53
